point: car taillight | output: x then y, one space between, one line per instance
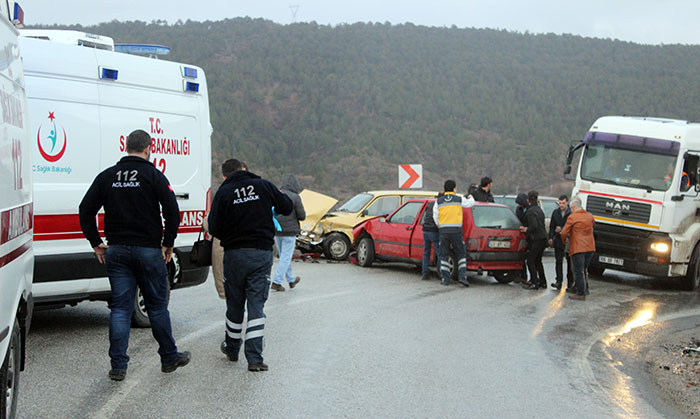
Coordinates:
522 246
473 244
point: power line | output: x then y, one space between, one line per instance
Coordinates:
294 9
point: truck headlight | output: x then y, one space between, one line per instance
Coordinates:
660 247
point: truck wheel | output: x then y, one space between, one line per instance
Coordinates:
9 375
692 277
595 270
365 252
140 316
505 277
336 246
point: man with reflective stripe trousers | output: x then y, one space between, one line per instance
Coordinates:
241 217
447 214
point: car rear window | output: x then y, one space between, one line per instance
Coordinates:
548 207
494 217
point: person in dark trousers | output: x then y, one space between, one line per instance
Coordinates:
241 217
286 239
521 201
133 193
537 242
483 192
578 231
448 215
556 224
431 238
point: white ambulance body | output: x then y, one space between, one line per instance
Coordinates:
16 255
83 103
639 178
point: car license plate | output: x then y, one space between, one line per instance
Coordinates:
611 261
494 244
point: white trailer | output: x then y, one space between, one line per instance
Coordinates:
639 178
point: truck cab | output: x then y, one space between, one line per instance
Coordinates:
638 176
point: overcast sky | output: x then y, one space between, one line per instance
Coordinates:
641 21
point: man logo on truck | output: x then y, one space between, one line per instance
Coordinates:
617 208
53 136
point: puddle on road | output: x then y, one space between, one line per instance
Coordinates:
643 317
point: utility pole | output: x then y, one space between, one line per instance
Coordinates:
294 9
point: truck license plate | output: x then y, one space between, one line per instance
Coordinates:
499 244
611 261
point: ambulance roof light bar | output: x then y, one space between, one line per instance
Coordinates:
18 16
151 50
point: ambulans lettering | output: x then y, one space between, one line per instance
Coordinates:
15 222
191 218
11 109
17 164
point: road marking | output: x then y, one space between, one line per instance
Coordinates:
134 379
583 350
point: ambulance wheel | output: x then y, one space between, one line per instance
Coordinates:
692 277
596 270
140 316
9 375
336 246
365 252
505 277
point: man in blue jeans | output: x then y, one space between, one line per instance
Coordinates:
286 237
241 217
431 238
132 193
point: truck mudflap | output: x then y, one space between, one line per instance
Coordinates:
629 250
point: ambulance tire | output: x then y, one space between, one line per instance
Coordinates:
505 277
365 252
9 375
140 316
336 246
692 278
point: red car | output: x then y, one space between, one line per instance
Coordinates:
491 233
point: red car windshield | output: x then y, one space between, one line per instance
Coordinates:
487 216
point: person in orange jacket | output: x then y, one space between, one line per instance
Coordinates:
578 230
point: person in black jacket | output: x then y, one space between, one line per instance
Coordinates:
286 239
483 192
537 241
241 217
132 193
556 224
521 201
431 238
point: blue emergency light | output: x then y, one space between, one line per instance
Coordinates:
108 73
189 72
18 14
191 87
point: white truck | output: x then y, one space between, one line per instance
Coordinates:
640 179
16 254
84 99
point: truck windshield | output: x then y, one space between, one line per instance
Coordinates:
638 169
486 216
356 203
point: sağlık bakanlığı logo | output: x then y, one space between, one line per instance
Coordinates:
53 138
52 141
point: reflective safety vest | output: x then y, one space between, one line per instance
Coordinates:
449 207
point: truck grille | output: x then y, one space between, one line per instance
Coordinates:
619 210
628 243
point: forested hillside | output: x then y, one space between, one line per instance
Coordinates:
342 106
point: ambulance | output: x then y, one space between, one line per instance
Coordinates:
16 255
640 178
84 99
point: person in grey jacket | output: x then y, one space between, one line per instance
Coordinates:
286 239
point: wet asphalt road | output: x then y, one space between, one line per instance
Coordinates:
379 342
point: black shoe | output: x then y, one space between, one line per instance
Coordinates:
556 285
231 357
258 367
464 282
445 283
117 375
425 277
531 287
571 290
183 358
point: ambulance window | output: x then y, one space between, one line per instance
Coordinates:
383 205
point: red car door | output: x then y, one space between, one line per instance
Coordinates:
394 235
